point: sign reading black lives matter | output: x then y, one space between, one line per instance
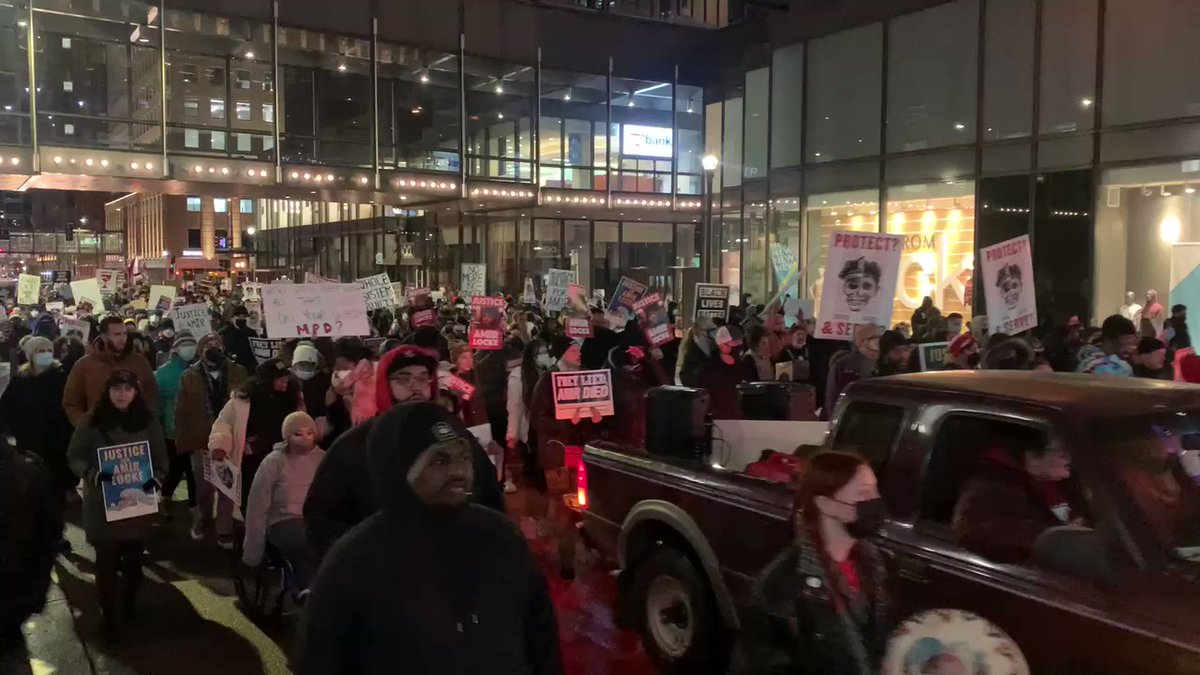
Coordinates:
712 301
581 392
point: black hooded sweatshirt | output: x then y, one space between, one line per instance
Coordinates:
421 590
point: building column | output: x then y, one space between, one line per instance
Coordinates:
208 234
235 223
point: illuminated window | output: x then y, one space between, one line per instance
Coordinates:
193 204
191 138
244 142
268 111
68 85
242 110
216 108
246 206
220 206
191 107
218 140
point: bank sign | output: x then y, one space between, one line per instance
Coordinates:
639 141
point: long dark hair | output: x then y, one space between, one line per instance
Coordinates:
824 474
529 370
107 417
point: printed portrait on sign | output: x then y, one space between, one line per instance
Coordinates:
860 282
1009 281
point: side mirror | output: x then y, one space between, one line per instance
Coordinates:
1078 552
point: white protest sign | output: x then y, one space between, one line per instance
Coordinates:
474 280
377 292
399 292
581 392
251 291
1008 286
194 318
556 289
81 329
310 278
110 280
28 286
87 290
861 270
314 310
224 475
254 315
161 297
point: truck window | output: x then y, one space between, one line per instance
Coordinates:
871 430
959 451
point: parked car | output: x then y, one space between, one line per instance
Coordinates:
1116 598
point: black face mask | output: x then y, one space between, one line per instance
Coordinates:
974 359
213 357
240 322
871 514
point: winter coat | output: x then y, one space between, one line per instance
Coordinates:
342 493
85 463
277 494
721 379
230 430
805 620
553 434
420 591
518 415
1000 512
168 378
32 409
361 383
237 345
85 385
193 427
845 368
31 524
695 357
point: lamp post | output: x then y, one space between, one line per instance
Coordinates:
710 164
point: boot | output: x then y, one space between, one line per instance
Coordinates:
197 531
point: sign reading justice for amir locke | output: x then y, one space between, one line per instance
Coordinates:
130 468
581 392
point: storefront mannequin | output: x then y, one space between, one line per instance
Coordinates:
1131 310
1153 311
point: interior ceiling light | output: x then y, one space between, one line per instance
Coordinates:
425 78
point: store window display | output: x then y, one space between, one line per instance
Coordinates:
938 223
828 214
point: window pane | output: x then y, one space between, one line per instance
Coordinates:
938 222
218 140
1008 82
242 110
731 153
193 204
787 102
845 74
499 119
931 78
247 206
191 107
191 138
870 428
647 246
1149 55
244 142
645 143
268 112
418 108
758 83
689 136
220 206
1068 65
216 108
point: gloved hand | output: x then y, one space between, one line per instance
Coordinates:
101 477
218 455
151 485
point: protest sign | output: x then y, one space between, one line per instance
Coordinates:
861 269
1008 286
628 292
456 383
251 291
420 307
473 279
223 475
310 278
72 327
314 310
254 316
933 355
28 286
654 320
487 322
529 294
787 268
712 301
55 307
556 288
161 297
400 293
579 327
377 292
62 276
110 281
130 467
194 318
87 290
264 349
581 392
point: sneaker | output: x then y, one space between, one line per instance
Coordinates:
225 542
197 530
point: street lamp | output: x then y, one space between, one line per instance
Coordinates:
250 230
710 164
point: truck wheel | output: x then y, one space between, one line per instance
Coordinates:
677 617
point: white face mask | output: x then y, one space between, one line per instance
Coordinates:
544 360
304 374
342 374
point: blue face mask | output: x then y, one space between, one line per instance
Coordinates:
43 359
187 353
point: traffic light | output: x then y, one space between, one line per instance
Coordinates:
70 233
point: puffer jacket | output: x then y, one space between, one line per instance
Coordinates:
168 378
85 385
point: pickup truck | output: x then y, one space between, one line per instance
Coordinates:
1118 597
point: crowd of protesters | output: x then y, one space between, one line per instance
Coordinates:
351 450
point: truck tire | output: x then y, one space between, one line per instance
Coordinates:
677 616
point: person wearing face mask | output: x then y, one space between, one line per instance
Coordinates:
343 493
824 597
249 426
168 377
631 379
165 340
236 338
204 389
315 381
121 417
522 380
963 353
111 350
275 511
354 378
722 374
444 585
32 409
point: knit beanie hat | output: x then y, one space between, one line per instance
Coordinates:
32 344
182 338
296 421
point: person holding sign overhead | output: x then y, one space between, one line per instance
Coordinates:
121 419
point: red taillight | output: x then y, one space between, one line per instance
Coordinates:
581 494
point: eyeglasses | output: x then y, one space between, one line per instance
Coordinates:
409 379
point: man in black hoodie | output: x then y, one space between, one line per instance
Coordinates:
431 584
342 493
